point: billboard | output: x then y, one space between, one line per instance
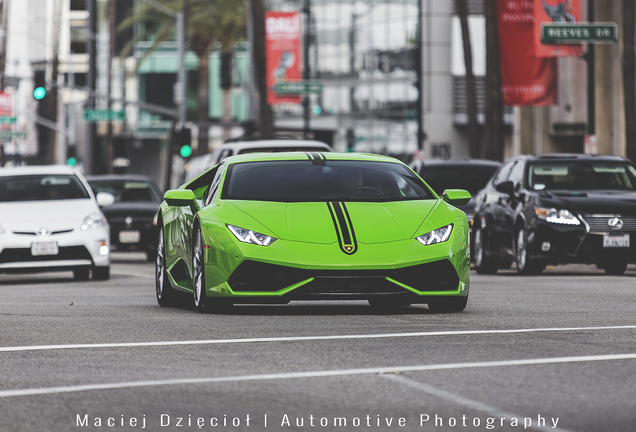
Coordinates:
526 79
282 53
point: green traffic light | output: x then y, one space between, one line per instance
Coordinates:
317 109
39 93
71 161
185 151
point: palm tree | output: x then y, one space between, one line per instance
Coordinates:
208 22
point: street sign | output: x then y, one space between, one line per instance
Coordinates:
579 33
7 120
8 134
294 88
104 115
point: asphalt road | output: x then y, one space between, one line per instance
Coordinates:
554 352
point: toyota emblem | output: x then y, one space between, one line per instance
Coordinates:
44 231
615 223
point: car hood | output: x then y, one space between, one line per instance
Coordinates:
54 215
594 202
312 222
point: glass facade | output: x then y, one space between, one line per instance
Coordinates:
363 52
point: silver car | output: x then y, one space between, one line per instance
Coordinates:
51 221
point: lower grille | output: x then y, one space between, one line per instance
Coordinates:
24 255
262 277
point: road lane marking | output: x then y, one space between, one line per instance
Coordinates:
466 402
314 374
306 338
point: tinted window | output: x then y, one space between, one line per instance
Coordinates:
503 173
469 177
127 190
336 180
582 175
41 187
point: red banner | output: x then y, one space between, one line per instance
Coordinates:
556 12
526 79
6 104
282 52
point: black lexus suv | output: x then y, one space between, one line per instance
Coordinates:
557 209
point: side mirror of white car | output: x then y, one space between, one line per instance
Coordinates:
104 199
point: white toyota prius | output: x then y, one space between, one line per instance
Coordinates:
51 221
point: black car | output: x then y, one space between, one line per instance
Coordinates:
470 174
131 215
554 209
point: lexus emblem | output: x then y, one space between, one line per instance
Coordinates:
615 223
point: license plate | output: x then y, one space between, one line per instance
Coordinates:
129 237
44 248
610 241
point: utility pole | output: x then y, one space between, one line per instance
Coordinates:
4 15
419 110
94 152
306 71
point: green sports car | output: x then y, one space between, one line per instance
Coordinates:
271 228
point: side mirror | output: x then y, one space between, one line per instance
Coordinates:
506 187
104 199
179 198
456 197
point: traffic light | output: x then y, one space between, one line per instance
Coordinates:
39 85
226 70
184 141
71 157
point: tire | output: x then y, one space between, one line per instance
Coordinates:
483 264
615 268
81 273
381 303
101 273
525 264
166 295
448 305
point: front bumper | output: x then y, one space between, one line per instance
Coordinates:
75 249
577 244
404 269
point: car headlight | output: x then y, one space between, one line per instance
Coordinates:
439 235
251 237
92 221
553 215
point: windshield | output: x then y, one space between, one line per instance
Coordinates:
41 187
302 181
472 178
582 175
127 191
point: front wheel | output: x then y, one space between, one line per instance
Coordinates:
448 305
101 273
615 268
526 265
483 263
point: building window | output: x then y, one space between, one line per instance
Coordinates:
78 5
